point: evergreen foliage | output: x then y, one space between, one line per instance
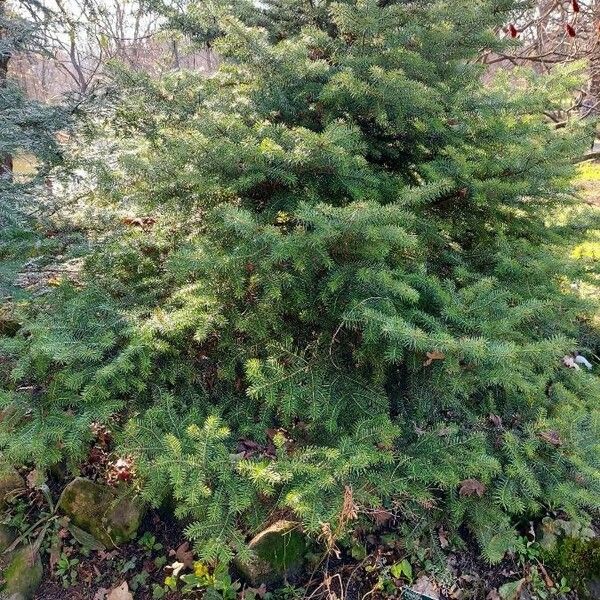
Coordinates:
358 260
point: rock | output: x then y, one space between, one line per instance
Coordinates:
7 536
279 551
22 575
593 589
10 482
101 511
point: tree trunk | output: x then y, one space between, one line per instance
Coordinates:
592 102
6 161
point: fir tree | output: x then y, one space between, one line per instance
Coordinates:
358 258
27 133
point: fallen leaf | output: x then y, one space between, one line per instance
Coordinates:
184 555
471 487
552 437
431 356
87 540
511 590
495 420
176 568
443 537
100 594
493 595
427 587
547 579
382 516
120 593
35 479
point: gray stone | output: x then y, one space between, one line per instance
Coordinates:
99 510
593 588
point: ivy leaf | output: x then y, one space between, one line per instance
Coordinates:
401 568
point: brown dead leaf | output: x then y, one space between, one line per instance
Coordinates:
427 587
547 579
120 592
431 356
104 555
35 479
349 510
443 537
495 420
552 437
382 516
493 595
100 594
184 555
142 222
471 487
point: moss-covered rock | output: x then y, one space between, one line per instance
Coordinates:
112 518
22 574
7 536
279 551
579 561
10 482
